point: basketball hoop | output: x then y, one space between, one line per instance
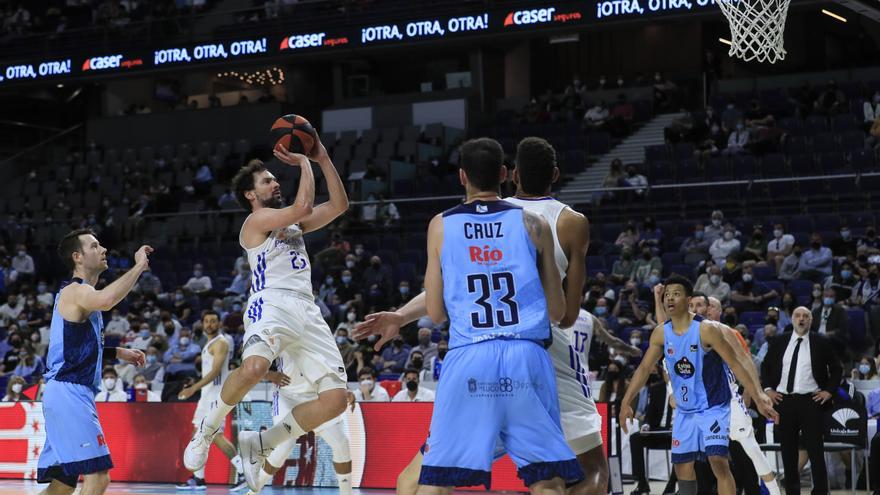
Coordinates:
756 28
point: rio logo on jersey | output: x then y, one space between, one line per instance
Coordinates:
484 255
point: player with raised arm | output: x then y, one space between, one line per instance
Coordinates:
281 312
534 174
697 356
215 369
75 444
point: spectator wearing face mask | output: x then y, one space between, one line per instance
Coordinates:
844 282
38 343
696 247
14 388
845 245
241 283
756 249
347 350
12 356
645 265
403 295
327 289
368 390
9 312
737 141
43 294
725 246
631 309
23 264
830 319
199 283
435 364
815 263
411 391
715 228
109 390
866 369
602 311
346 288
870 243
750 295
180 358
417 362
769 331
154 368
30 366
426 348
142 392
622 270
395 356
149 283
117 325
144 338
181 306
614 387
712 285
789 268
377 276
349 323
779 247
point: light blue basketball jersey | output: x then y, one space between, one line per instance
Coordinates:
491 285
699 378
75 349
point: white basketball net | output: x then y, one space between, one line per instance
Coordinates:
756 28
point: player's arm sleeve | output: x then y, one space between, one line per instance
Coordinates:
433 273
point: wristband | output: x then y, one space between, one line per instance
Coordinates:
110 352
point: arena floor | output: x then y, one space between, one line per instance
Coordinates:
8 487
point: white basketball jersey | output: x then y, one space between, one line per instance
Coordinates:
570 353
213 388
550 209
281 262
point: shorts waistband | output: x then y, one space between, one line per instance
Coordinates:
280 293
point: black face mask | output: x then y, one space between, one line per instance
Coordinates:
646 256
873 276
417 363
442 353
412 386
729 320
612 375
771 320
815 245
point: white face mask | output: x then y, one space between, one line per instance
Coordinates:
140 386
109 384
16 388
368 384
777 233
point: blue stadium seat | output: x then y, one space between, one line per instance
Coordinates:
801 287
749 318
764 273
857 327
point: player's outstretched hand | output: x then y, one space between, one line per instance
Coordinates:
385 324
658 292
765 407
186 393
295 159
625 416
133 356
142 257
319 152
278 378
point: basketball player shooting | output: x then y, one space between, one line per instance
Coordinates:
281 312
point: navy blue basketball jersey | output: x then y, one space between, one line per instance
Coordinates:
699 378
75 349
491 285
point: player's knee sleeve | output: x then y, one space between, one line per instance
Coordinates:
687 487
279 456
337 439
759 460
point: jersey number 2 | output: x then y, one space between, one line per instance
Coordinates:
479 283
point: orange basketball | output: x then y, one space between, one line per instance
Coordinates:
295 133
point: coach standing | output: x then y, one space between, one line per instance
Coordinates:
800 373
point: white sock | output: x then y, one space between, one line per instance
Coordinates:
265 478
200 474
772 487
285 429
236 461
217 415
345 483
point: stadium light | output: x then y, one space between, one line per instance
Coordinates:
725 41
833 15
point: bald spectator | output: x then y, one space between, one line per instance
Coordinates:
426 347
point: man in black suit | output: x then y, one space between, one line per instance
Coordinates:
800 374
830 319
